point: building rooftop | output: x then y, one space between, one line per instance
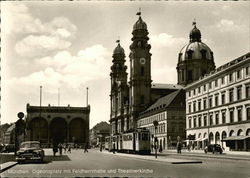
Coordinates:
163 102
50 108
165 86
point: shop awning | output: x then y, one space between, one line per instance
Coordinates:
236 138
204 139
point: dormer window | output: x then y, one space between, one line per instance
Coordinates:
203 54
189 53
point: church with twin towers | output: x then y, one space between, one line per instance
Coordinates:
137 101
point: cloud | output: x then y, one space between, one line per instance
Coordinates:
17 19
225 25
65 69
38 37
33 45
165 40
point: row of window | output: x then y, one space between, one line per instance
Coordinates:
161 128
222 81
216 136
234 94
149 120
218 118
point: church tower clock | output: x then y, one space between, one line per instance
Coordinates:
140 71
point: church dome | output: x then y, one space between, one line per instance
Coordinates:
118 49
195 35
140 25
195 49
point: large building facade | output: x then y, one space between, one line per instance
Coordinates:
218 107
170 112
131 99
57 124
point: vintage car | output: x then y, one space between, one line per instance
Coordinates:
213 148
30 150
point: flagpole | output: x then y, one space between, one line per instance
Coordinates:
58 96
87 96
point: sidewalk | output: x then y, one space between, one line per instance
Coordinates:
7 165
160 157
235 155
7 161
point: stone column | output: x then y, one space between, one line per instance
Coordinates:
67 132
244 144
48 134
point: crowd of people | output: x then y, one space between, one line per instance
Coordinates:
67 148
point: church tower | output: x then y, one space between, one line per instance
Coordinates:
119 89
195 59
140 71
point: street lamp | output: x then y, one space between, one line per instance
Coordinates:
155 139
19 129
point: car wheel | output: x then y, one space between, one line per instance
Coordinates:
41 160
221 152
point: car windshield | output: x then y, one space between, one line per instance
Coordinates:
30 145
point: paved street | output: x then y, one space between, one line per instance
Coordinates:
95 163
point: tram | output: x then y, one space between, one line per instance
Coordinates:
137 141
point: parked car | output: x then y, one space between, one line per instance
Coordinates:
30 150
213 148
9 148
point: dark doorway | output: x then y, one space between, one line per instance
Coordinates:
77 131
39 130
58 130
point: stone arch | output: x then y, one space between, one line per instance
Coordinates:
205 135
248 132
38 129
231 133
199 136
223 135
240 132
77 130
58 130
217 137
211 137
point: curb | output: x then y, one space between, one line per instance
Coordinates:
216 157
7 167
162 160
188 162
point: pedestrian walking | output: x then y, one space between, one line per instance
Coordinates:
179 147
86 148
69 148
55 149
60 147
100 148
65 148
160 149
114 148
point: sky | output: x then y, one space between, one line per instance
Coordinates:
69 45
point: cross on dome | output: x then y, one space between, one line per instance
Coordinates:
194 22
139 12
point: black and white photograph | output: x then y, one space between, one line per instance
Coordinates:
125 89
